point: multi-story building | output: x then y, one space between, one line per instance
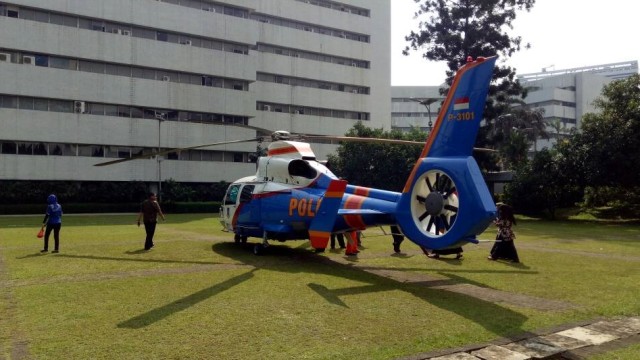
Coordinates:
567 95
83 82
414 106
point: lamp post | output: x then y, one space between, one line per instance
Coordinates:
161 117
427 104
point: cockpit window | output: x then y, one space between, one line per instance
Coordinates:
232 195
302 168
245 195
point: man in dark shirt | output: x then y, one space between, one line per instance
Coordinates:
149 211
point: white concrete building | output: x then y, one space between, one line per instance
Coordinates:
87 81
567 95
414 106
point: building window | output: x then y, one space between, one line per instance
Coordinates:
9 102
40 149
162 36
8 148
25 148
12 12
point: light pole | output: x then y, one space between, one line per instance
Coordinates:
427 104
161 118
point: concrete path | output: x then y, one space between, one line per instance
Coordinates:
577 341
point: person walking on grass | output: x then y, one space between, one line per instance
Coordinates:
149 211
504 248
340 238
53 222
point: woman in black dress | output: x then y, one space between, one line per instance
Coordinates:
504 247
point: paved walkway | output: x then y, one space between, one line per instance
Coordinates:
571 342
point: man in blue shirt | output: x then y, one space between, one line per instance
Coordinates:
53 221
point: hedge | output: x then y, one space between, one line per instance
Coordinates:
93 208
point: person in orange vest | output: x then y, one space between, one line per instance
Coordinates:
352 244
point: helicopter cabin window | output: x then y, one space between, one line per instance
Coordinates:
246 194
232 195
302 168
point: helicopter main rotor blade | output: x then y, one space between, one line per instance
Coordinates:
358 139
156 153
374 141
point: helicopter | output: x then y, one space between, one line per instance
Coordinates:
445 202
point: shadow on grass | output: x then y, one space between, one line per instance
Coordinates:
495 318
136 252
32 255
161 261
162 312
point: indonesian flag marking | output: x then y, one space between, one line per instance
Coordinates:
461 104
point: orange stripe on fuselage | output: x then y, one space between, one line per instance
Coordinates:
362 191
336 189
319 239
355 221
439 120
289 149
316 233
282 151
333 194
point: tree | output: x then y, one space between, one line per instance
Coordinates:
456 29
513 151
384 166
541 185
599 161
514 133
608 141
604 155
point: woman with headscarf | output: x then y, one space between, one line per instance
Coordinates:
504 247
53 221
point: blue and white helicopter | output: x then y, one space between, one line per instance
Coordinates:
445 201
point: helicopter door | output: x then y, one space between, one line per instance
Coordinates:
229 206
250 216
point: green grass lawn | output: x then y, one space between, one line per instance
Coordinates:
198 295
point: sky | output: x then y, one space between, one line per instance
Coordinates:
563 34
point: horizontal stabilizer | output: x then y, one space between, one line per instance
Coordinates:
359 212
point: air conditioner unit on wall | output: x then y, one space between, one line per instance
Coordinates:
79 107
166 78
186 42
266 107
126 32
210 9
5 57
29 60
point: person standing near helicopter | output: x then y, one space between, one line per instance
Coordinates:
53 222
504 248
149 211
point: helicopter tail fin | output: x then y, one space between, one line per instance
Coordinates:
445 201
325 217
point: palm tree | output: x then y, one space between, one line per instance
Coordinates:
516 131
